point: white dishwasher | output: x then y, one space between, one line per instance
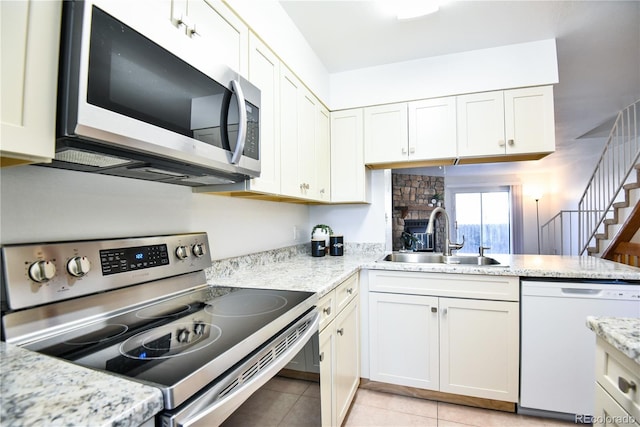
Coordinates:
557 358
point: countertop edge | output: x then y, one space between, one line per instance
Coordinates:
621 332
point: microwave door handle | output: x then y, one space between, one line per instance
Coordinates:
242 122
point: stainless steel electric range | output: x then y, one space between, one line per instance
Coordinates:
141 308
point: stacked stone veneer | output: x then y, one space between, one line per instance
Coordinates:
414 192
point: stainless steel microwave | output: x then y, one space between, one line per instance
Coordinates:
129 107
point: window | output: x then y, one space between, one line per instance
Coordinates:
483 217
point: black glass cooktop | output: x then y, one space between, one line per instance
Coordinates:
205 331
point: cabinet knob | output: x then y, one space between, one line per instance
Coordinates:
340 331
625 385
434 309
404 150
322 356
350 291
511 142
192 31
327 310
412 150
501 142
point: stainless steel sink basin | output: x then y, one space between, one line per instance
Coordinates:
437 258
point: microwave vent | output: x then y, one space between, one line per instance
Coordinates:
90 159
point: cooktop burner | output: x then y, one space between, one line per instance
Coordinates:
172 340
163 310
241 306
100 335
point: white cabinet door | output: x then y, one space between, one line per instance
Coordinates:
432 129
404 339
348 173
289 87
322 161
307 123
29 80
385 133
327 369
347 358
218 35
529 120
264 72
479 348
481 124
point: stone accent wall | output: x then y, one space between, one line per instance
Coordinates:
412 195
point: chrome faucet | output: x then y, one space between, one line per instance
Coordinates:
448 246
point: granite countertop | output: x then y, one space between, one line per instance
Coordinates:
544 266
39 390
621 332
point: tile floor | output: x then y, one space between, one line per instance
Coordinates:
288 402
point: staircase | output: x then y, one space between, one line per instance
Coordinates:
608 211
606 208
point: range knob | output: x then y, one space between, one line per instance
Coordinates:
182 335
42 271
199 250
182 252
78 266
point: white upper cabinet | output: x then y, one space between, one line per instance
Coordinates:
290 185
529 120
323 153
30 43
264 72
217 34
515 124
385 133
348 173
432 129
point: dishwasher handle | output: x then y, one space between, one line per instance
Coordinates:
581 291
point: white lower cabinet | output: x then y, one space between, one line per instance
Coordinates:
466 346
339 342
617 401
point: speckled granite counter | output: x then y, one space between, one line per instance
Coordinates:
38 390
621 332
547 266
299 271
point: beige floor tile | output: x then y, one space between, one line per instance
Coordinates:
264 408
287 385
313 390
305 413
488 418
404 404
364 416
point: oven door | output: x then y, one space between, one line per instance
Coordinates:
215 404
123 89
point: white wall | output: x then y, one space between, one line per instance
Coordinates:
40 204
361 223
518 65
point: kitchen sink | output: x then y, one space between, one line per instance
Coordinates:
438 258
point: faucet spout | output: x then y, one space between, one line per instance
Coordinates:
448 246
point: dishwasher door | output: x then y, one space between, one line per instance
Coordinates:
557 357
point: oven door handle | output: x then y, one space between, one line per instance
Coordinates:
220 409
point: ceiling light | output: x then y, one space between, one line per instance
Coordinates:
410 9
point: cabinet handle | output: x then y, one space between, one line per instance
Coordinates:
444 311
434 309
340 331
625 385
404 150
412 150
327 310
511 142
322 356
192 31
350 291
501 142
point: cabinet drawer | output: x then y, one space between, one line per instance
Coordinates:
505 288
327 309
346 291
613 371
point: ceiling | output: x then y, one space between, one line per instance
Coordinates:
598 46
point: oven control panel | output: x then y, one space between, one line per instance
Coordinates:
37 274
